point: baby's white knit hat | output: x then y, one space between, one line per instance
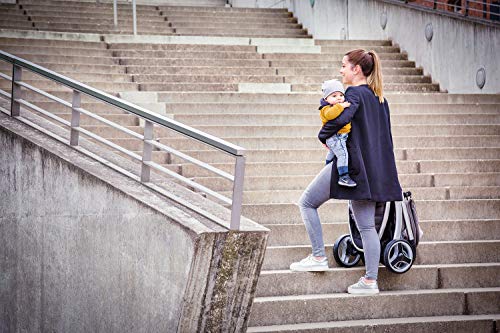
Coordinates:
331 86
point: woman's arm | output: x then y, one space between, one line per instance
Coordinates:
333 126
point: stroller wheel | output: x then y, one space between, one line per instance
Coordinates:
399 256
345 253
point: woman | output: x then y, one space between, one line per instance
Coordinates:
371 165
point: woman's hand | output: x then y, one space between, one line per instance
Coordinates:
345 104
326 147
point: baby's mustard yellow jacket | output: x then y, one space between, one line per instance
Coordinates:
330 112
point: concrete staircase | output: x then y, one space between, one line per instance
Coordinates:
447 149
88 17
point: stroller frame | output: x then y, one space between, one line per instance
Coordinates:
398 231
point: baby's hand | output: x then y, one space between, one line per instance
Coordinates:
345 104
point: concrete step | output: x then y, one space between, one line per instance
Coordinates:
67 59
328 65
192 3
343 49
304 155
392 304
428 253
445 108
97 14
467 179
453 230
312 168
225 10
443 98
155 20
353 43
147 26
185 17
202 13
336 210
86 77
257 130
313 80
399 87
234 24
83 68
196 79
191 70
298 108
122 119
444 324
326 57
408 181
298 71
399 142
194 62
28 42
187 54
16 24
144 47
423 99
51 50
188 87
459 166
429 193
64 94
336 280
261 33
104 86
86 8
312 118
99 108
119 31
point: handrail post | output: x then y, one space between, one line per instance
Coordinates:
147 152
15 107
75 118
134 14
115 13
237 200
466 9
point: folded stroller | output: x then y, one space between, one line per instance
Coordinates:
397 226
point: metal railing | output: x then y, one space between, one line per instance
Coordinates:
151 120
115 14
489 11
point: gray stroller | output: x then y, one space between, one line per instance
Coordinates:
397 226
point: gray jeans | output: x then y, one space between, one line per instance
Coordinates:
317 193
337 145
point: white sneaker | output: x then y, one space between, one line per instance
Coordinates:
363 288
310 264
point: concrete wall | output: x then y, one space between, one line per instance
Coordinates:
459 48
85 249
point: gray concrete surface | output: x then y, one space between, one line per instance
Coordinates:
87 249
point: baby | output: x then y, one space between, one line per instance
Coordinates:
332 105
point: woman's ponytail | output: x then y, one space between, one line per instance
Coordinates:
370 66
374 80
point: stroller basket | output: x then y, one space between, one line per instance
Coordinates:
398 230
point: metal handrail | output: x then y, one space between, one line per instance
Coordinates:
151 119
466 9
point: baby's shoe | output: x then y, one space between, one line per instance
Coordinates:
346 181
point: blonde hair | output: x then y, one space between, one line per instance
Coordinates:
371 68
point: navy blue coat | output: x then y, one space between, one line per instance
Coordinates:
372 163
